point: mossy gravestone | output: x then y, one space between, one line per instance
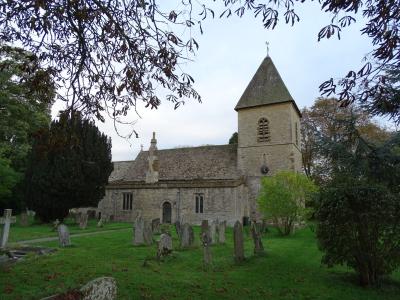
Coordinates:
206 242
256 234
187 238
138 238
63 236
221 232
238 242
164 245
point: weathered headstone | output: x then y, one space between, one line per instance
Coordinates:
256 234
213 232
63 236
103 288
155 226
55 225
178 229
147 233
238 242
206 242
100 288
6 221
83 221
138 238
221 232
100 223
23 219
164 245
187 239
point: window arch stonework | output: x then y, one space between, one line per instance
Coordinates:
263 133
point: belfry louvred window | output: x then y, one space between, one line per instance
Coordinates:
263 134
127 201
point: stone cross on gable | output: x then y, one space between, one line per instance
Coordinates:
6 221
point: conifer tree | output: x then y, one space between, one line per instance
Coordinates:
69 167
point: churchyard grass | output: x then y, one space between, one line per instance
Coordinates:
36 230
290 270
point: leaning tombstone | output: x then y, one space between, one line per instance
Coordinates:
164 245
23 219
178 229
147 233
155 226
187 239
138 238
6 221
221 232
63 235
83 221
213 232
238 242
206 242
256 234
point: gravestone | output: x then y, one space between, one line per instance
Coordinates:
164 245
138 238
187 239
6 221
205 239
100 223
238 242
256 234
147 233
178 229
77 216
23 219
100 288
63 236
213 232
221 232
83 221
55 224
155 226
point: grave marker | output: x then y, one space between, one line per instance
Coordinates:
63 236
6 221
238 242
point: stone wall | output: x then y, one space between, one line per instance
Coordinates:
224 203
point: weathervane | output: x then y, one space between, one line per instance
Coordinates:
267 48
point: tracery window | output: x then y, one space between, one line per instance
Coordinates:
263 134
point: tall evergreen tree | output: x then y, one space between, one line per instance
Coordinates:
69 167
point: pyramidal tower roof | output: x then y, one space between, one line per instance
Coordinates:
266 87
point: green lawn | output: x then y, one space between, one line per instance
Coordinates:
35 230
291 270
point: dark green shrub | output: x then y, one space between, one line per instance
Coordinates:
358 224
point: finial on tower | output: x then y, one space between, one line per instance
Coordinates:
141 147
267 48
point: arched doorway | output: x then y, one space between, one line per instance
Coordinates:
166 212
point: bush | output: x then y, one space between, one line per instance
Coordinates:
283 198
358 225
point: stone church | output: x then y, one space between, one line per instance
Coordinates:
213 182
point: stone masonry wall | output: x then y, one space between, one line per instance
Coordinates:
224 203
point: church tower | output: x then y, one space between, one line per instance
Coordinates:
268 128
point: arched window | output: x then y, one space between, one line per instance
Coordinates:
263 131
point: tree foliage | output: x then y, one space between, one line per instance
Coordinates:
69 167
325 124
283 199
359 210
8 179
233 139
358 225
26 94
110 54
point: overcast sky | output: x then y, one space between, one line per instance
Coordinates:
230 52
